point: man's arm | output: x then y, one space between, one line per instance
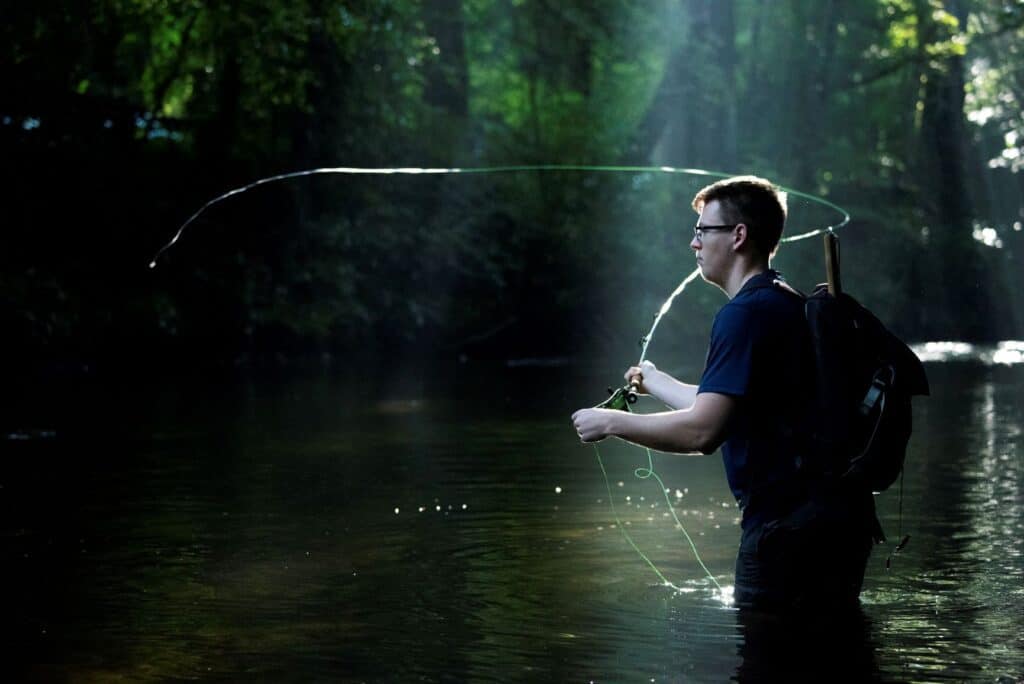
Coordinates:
698 429
662 386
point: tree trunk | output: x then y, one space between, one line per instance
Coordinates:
693 117
447 84
813 97
669 112
957 270
722 33
666 106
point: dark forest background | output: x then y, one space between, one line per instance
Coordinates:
120 118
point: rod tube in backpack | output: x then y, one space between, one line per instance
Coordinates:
832 263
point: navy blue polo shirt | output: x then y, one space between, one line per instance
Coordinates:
760 353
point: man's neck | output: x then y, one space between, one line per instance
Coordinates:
739 276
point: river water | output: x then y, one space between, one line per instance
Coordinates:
447 526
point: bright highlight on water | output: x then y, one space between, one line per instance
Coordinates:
1005 353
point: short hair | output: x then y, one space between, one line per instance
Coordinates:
753 201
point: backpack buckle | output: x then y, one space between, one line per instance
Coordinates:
879 385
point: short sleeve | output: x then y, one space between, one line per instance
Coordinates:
730 354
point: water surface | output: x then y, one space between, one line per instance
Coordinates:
448 527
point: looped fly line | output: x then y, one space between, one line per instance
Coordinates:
416 171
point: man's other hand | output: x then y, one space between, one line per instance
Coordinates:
637 374
593 424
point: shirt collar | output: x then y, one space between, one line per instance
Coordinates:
760 280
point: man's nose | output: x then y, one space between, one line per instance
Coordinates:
695 244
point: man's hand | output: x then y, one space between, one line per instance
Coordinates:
638 374
593 424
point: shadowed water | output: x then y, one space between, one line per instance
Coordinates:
450 528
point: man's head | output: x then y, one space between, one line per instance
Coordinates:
752 201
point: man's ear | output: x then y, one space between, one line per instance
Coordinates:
740 237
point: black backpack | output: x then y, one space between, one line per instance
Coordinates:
865 378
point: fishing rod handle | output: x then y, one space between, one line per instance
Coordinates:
634 389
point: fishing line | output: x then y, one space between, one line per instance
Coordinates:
416 171
618 522
640 473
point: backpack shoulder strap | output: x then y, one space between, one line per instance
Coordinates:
786 287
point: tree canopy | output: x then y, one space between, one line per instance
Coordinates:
120 117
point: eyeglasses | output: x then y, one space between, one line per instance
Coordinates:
699 230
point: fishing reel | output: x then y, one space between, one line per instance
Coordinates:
620 399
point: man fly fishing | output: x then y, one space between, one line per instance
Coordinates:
755 401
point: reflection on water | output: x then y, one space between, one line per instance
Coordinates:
1006 353
454 530
807 648
961 587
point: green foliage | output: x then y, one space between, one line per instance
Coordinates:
148 108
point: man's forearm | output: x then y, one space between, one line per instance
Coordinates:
672 431
700 428
670 391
